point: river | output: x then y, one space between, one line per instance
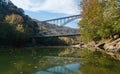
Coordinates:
56 61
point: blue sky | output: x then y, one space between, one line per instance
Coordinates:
49 9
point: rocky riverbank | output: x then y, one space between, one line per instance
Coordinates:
111 47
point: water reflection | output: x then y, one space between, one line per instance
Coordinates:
67 69
29 61
98 63
59 65
56 61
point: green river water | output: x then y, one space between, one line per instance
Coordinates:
56 61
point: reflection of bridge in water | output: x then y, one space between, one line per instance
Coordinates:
60 21
62 69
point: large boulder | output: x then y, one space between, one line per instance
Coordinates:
92 46
113 48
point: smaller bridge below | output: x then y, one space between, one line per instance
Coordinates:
62 35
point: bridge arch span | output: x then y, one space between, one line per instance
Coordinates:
62 21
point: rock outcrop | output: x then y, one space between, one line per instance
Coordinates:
113 48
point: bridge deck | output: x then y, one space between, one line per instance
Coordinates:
78 16
48 36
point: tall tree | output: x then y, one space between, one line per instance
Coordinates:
100 19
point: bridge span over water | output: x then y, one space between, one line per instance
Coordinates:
60 21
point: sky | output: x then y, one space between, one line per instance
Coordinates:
50 9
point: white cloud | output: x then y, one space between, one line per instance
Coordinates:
52 6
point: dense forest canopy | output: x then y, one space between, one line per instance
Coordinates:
15 26
100 20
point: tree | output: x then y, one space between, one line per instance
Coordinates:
20 28
98 20
7 33
92 16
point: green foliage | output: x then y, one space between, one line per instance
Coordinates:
15 27
7 33
50 41
10 36
99 22
54 41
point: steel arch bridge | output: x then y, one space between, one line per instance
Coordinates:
60 21
63 20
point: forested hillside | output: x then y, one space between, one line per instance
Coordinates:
15 26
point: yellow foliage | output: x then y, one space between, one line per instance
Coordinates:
14 19
20 28
67 40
